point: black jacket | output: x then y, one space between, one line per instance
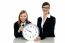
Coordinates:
48 27
16 27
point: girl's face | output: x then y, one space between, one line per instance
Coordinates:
23 17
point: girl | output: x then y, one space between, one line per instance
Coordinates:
22 21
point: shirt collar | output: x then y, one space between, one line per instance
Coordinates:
48 15
23 23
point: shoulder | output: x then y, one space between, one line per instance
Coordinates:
28 22
53 17
39 19
16 23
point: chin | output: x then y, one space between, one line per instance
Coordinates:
45 13
23 21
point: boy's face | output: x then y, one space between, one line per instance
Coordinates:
46 9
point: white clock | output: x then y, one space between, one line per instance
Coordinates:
30 32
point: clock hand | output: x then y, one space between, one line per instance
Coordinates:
28 30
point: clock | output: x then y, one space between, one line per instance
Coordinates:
30 32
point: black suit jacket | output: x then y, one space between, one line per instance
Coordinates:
48 27
16 27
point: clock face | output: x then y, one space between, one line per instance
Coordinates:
30 32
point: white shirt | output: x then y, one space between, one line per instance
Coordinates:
21 27
44 19
23 23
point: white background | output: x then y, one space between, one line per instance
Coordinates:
10 9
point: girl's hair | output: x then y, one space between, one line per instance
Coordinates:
19 21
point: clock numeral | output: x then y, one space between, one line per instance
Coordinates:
36 31
25 34
30 36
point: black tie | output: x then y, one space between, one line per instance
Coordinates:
23 25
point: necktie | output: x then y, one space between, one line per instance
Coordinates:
23 25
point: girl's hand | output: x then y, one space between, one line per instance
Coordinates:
37 38
20 30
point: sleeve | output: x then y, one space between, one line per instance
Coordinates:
16 33
52 26
39 22
39 26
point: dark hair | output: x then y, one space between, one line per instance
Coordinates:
19 21
45 3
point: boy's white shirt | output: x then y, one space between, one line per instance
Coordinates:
43 20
